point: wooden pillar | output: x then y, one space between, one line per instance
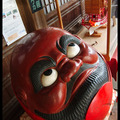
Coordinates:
108 28
82 3
39 19
32 21
59 14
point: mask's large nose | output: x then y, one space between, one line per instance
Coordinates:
68 68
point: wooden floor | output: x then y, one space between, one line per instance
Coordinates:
114 114
100 43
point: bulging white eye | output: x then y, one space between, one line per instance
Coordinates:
49 77
72 50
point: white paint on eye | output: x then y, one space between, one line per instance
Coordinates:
48 80
72 51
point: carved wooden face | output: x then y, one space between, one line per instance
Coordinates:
49 68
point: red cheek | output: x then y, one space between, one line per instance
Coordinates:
52 98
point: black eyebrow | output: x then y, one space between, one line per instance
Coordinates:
64 41
37 69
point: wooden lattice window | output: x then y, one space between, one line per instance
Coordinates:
50 5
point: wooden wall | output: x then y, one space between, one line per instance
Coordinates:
71 15
11 109
93 6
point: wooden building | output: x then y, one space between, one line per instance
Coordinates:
94 6
96 9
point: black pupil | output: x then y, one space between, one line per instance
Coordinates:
48 72
71 44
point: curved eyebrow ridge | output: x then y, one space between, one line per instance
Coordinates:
64 41
50 58
37 69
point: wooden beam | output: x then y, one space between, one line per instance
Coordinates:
39 19
108 27
59 14
32 21
26 16
103 26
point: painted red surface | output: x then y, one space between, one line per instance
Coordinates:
52 99
101 103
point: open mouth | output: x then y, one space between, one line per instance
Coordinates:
77 108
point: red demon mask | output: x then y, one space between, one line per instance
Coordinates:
57 76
